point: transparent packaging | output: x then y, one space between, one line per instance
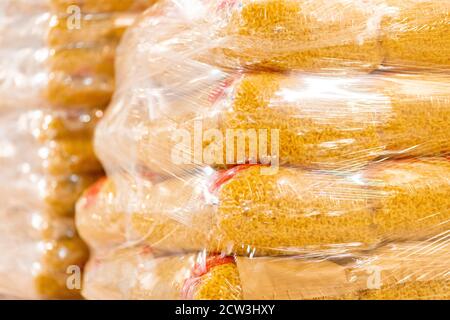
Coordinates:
48 142
415 35
95 6
407 271
59 60
38 189
244 211
41 269
56 78
275 149
283 119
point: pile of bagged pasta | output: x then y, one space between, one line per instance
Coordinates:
275 149
56 79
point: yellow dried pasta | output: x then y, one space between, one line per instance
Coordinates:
93 30
51 283
298 34
429 290
61 193
312 121
84 62
95 6
417 34
69 155
252 213
413 273
64 124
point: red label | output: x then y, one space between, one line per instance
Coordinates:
219 92
149 175
146 250
224 176
226 3
92 193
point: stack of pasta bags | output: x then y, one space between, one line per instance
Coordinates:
275 149
56 78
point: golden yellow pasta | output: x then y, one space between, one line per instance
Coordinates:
42 269
301 120
429 290
417 34
95 6
67 91
403 271
420 114
104 219
57 79
70 155
91 30
413 198
81 77
249 212
51 283
61 193
99 203
63 124
84 62
298 34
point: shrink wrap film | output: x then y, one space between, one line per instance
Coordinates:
103 6
296 119
54 195
275 149
39 269
59 61
293 211
56 77
397 272
417 34
326 36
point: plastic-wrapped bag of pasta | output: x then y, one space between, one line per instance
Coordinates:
181 105
405 271
43 173
56 78
416 34
268 129
338 36
46 142
278 139
67 61
43 267
283 119
245 211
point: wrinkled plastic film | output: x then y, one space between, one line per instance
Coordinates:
287 213
57 78
275 150
398 271
316 122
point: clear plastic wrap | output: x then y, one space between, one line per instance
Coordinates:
39 269
178 97
275 149
244 211
397 271
38 239
416 34
55 195
56 77
95 6
38 191
65 61
301 120
48 142
338 36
